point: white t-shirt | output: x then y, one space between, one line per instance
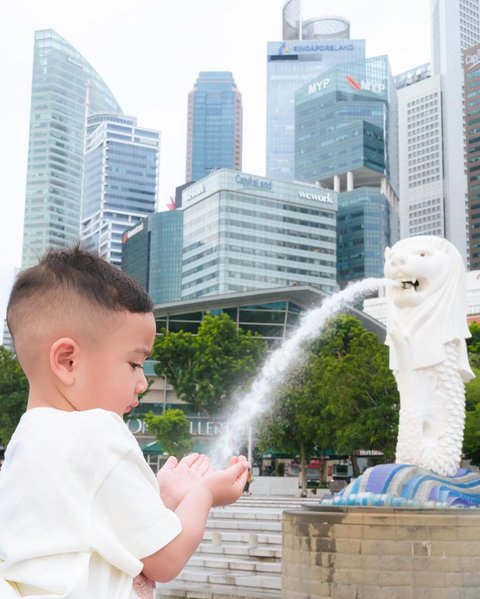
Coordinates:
79 508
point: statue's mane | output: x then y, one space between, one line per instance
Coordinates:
440 318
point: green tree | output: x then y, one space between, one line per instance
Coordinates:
205 368
363 396
172 431
471 438
13 394
296 423
344 397
473 344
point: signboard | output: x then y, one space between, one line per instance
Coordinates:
193 191
253 182
472 57
296 47
367 85
318 86
321 197
199 427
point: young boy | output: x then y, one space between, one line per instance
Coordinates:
81 513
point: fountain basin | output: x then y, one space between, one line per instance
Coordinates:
380 553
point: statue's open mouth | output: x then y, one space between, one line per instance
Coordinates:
410 285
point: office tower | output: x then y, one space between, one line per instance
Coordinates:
119 183
472 138
346 140
420 152
243 232
309 48
56 143
152 254
214 126
455 27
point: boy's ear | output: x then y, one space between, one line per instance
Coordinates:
64 355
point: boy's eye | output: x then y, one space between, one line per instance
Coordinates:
135 365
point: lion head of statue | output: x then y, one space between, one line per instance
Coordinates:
427 307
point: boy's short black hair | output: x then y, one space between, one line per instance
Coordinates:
84 274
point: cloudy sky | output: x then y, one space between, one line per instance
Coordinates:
149 52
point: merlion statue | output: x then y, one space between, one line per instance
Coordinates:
426 332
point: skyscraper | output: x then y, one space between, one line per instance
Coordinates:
152 254
422 206
472 110
455 27
56 142
308 49
214 127
346 140
119 183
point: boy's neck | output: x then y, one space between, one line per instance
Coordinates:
54 400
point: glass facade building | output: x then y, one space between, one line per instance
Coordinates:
290 65
345 121
244 232
61 78
346 140
152 254
363 233
119 182
214 125
472 130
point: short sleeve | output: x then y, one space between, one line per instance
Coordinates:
129 520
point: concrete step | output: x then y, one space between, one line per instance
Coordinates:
244 524
261 551
247 513
240 554
274 502
192 591
218 537
237 580
216 563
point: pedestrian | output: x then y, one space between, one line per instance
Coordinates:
81 512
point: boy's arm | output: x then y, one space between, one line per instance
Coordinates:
216 488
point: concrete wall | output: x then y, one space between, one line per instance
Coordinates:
361 553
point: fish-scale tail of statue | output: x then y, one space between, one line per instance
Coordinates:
431 426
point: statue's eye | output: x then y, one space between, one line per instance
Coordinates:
422 253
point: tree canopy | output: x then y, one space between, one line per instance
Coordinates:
205 368
343 398
172 431
13 394
471 438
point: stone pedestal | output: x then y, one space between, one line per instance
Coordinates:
381 553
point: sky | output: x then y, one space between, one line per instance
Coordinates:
149 53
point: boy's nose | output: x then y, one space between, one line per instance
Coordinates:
142 384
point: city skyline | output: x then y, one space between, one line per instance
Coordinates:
152 75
